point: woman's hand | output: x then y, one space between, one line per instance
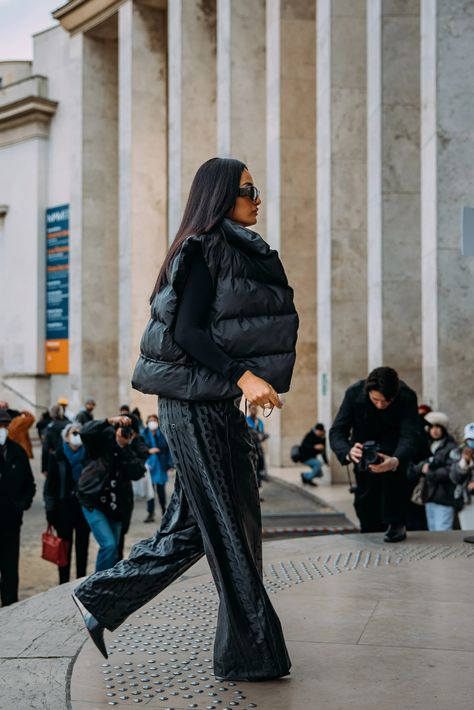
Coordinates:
258 391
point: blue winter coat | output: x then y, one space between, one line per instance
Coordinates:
158 463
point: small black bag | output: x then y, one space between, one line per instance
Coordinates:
295 454
92 482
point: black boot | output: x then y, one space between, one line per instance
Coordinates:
308 481
395 533
96 631
150 518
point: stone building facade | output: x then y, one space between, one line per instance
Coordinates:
355 119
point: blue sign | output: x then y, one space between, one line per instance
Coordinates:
57 289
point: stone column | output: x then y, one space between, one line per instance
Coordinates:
291 218
192 97
341 201
241 111
447 179
94 277
142 178
393 152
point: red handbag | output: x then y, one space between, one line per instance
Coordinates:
55 549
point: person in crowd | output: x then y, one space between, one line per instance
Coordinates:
312 448
124 410
439 488
63 510
17 490
158 462
86 414
52 435
137 414
425 441
462 475
19 431
381 410
258 434
416 513
12 412
140 449
68 413
42 424
223 324
110 440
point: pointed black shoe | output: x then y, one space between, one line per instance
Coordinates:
395 533
96 631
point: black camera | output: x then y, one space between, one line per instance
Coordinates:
370 455
126 431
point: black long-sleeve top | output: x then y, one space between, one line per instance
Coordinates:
395 429
191 331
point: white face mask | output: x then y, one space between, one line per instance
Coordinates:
75 440
3 435
153 426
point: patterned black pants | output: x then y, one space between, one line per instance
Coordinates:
214 509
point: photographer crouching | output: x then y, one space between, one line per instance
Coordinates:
104 488
377 429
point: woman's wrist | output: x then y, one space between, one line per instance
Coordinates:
244 378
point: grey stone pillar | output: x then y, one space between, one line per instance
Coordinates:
393 151
192 97
241 87
341 201
291 218
143 177
447 179
94 276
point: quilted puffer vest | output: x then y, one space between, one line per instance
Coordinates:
252 318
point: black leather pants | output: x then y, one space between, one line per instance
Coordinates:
214 509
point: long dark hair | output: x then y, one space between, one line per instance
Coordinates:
212 195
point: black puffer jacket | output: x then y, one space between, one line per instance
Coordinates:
439 485
253 319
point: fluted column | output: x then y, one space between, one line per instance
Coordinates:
447 179
192 135
394 243
341 201
291 218
94 276
241 87
143 177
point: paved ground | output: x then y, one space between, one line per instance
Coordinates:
368 627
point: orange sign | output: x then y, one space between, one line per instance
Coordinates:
57 357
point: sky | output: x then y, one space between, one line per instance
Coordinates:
19 19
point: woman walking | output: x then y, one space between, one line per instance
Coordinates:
222 324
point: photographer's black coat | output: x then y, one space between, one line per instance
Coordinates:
252 319
125 464
395 429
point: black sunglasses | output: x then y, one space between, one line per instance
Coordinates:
249 191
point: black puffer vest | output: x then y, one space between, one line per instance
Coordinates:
252 318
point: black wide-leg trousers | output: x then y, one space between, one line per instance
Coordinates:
214 510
